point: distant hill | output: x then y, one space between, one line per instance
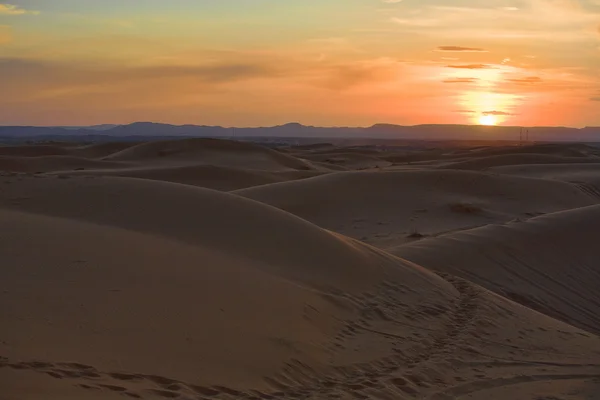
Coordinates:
102 127
378 131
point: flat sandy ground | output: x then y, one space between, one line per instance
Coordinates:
209 269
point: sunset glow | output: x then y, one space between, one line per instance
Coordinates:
334 62
488 120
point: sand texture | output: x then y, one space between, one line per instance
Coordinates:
211 269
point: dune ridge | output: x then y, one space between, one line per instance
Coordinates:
125 275
547 263
386 208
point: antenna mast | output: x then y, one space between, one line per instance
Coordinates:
521 137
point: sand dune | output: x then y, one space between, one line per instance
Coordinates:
449 154
127 280
54 163
215 164
139 276
349 160
211 151
390 208
100 150
565 150
33 151
518 159
548 263
207 176
582 174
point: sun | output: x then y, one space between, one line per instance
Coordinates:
488 120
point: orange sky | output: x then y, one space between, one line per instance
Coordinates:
325 62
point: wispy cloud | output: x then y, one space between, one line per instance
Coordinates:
494 112
549 20
460 80
11 9
527 81
470 66
455 49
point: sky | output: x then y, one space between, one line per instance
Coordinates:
317 62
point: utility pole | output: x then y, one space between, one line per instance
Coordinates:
521 137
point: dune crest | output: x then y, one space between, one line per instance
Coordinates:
547 263
123 275
387 208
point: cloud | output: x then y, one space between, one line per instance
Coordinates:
10 9
26 79
470 66
494 112
465 111
544 20
526 81
461 80
344 76
595 98
461 49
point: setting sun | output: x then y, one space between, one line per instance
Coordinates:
488 120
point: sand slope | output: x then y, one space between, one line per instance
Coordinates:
216 164
210 151
387 208
33 151
207 176
587 176
517 159
348 160
119 287
54 163
100 150
548 263
180 269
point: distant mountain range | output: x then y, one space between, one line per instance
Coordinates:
378 131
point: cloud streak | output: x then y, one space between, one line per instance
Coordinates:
460 80
11 9
470 66
460 49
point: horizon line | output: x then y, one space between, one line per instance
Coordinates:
295 123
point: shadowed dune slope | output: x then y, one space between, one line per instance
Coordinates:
54 163
584 174
549 263
125 301
159 278
556 149
384 208
211 151
33 151
100 150
154 290
207 176
194 216
349 160
466 153
518 159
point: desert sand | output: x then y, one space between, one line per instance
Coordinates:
212 269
